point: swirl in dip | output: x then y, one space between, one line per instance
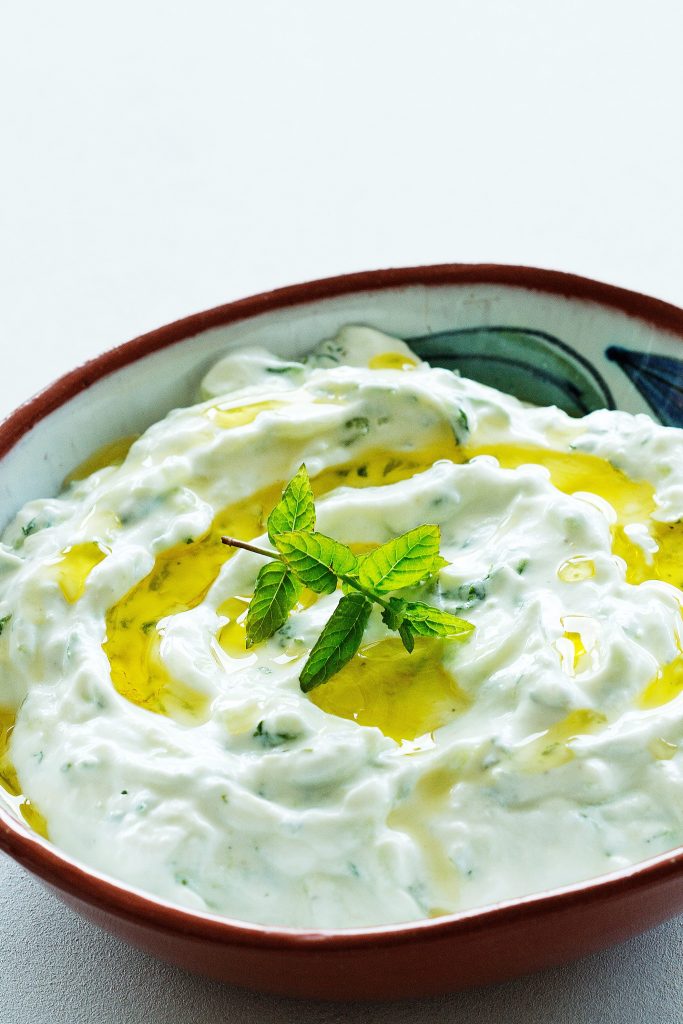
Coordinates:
141 736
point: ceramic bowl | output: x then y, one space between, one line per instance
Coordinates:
547 337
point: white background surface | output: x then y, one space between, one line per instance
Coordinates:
157 158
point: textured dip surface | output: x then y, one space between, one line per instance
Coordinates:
142 737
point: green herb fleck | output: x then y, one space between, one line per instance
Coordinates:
272 739
461 426
285 368
469 594
358 426
391 465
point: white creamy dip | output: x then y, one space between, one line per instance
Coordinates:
545 749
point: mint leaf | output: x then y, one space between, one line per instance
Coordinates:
315 559
406 635
275 595
402 562
3 622
393 615
424 620
412 618
338 642
296 509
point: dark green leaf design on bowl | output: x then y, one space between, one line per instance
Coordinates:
659 379
532 365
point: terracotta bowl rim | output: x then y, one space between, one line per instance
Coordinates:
90 886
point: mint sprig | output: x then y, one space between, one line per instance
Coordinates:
307 558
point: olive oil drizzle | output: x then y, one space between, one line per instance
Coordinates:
227 416
9 781
552 747
416 815
111 454
405 695
392 361
666 685
182 576
74 565
633 503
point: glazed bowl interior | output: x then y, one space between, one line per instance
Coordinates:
546 337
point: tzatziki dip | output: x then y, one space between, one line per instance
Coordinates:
142 736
